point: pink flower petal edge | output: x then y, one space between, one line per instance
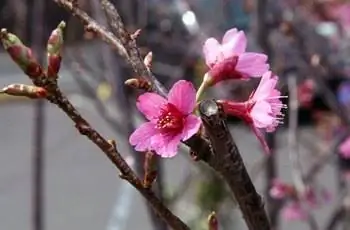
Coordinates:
294 211
183 96
344 148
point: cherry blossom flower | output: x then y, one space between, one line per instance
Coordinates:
280 190
230 59
344 148
298 204
263 108
169 120
294 211
315 196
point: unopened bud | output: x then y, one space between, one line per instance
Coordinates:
30 91
54 50
139 83
150 168
135 34
21 54
148 60
213 222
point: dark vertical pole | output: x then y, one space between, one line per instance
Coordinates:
37 35
271 169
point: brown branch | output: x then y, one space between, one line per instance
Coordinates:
110 150
93 26
226 160
335 219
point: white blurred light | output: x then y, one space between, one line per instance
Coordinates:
189 18
327 29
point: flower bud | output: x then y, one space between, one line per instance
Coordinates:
54 50
213 222
21 54
139 83
29 91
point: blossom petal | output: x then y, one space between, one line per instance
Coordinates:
261 114
141 137
252 64
191 127
211 50
229 35
236 46
261 138
344 148
150 104
294 211
183 96
166 146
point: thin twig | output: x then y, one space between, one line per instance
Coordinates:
92 25
110 150
335 219
135 59
85 129
293 149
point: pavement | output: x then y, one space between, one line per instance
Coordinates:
82 188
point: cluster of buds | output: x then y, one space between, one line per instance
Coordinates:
23 56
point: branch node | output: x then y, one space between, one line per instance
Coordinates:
83 128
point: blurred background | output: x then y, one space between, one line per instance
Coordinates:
52 178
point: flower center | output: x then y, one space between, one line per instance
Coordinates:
225 69
170 119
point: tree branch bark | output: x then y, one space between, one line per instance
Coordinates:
226 160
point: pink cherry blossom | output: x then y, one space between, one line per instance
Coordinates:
344 148
263 108
169 120
315 196
230 60
280 190
294 211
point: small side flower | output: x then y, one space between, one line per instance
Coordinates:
229 60
262 111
